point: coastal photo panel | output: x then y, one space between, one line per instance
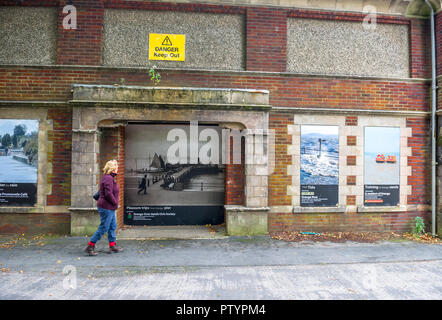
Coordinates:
18 162
319 165
381 166
173 175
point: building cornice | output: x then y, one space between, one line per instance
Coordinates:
230 72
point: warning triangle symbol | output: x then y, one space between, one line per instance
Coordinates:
166 41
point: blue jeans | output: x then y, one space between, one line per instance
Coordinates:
108 224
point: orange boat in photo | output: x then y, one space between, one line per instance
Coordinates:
391 159
380 158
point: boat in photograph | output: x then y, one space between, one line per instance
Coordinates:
391 159
380 158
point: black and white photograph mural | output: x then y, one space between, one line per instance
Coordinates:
18 162
381 166
319 165
173 175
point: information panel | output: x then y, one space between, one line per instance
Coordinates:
319 166
18 162
173 175
381 166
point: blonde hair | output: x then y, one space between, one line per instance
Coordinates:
110 166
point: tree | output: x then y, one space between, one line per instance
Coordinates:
6 141
20 130
31 148
14 140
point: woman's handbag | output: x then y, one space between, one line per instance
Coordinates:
96 195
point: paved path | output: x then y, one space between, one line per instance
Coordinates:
233 268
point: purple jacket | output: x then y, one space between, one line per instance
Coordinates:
108 193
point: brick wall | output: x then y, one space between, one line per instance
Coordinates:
266 39
373 222
60 157
19 83
280 178
438 36
234 177
265 51
420 48
35 223
81 46
112 146
420 161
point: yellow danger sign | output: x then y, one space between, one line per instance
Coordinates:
168 47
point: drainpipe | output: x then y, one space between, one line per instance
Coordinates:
433 123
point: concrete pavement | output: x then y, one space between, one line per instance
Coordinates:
229 268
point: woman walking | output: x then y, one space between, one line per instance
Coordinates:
106 205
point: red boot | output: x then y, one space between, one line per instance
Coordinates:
90 249
113 248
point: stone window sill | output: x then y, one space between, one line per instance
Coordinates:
236 208
364 209
337 209
36 209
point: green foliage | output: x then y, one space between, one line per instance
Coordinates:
14 141
31 148
20 130
155 77
6 140
419 227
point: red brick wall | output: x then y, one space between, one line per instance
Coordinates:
343 16
420 48
35 223
420 180
20 83
112 146
438 36
420 161
29 3
265 51
280 178
60 157
81 46
358 222
266 39
173 6
235 178
120 177
59 180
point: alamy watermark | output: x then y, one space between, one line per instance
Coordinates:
259 146
370 19
70 20
70 278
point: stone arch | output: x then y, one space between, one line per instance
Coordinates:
111 107
418 8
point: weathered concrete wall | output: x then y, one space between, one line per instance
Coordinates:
212 41
346 48
244 221
28 35
35 223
